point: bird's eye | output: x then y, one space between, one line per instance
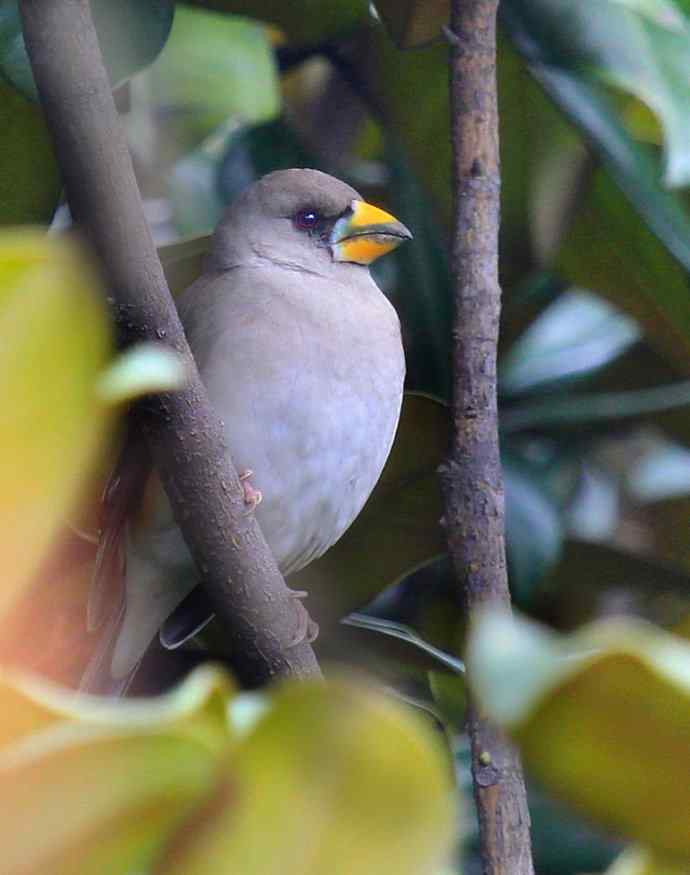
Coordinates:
305 220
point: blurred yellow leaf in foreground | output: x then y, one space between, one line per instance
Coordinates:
54 343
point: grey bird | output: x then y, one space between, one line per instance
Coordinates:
302 357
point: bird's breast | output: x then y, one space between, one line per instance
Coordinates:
309 386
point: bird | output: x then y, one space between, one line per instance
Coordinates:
302 358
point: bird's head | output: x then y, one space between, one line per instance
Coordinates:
307 220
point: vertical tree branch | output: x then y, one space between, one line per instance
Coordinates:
184 435
471 477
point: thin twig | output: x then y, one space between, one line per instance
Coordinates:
471 477
185 436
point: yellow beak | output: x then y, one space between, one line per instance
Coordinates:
366 233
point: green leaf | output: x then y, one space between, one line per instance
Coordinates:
578 334
14 62
634 166
131 33
652 286
303 21
56 340
213 68
534 525
412 88
578 586
619 43
406 634
596 252
29 177
422 290
404 81
524 159
347 781
596 407
103 783
602 718
414 22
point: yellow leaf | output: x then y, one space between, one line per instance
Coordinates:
55 342
334 779
602 718
94 786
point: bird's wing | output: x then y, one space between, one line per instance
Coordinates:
121 501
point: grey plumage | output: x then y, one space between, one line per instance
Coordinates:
302 357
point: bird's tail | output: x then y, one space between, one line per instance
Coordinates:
108 598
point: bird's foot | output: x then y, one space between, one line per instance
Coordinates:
308 630
252 497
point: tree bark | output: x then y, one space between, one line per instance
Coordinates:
185 437
471 477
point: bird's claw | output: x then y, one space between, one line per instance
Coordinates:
252 497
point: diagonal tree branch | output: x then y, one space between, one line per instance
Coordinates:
471 477
184 435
